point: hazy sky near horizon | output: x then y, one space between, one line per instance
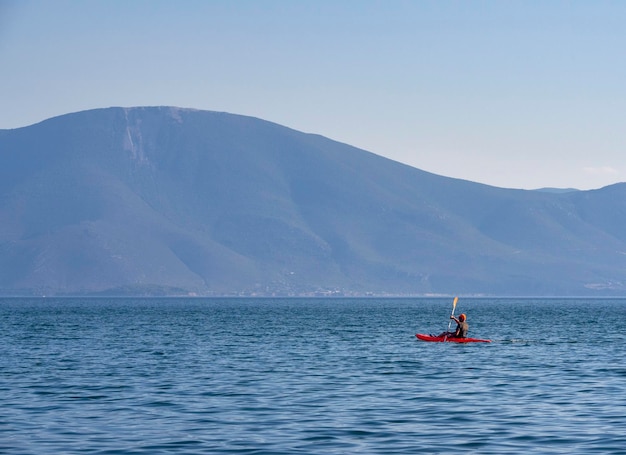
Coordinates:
516 94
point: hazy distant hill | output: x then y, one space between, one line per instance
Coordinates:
557 190
177 201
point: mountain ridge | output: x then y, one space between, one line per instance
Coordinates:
164 200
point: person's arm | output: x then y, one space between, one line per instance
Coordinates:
457 331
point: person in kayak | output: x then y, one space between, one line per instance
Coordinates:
462 327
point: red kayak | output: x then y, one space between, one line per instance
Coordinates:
449 339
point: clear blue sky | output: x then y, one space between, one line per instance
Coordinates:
519 94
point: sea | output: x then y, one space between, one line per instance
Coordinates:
311 376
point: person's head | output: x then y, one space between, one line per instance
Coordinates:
462 318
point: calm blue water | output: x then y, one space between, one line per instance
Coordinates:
316 376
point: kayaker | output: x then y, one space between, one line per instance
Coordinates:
462 326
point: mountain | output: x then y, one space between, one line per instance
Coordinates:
168 201
557 190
